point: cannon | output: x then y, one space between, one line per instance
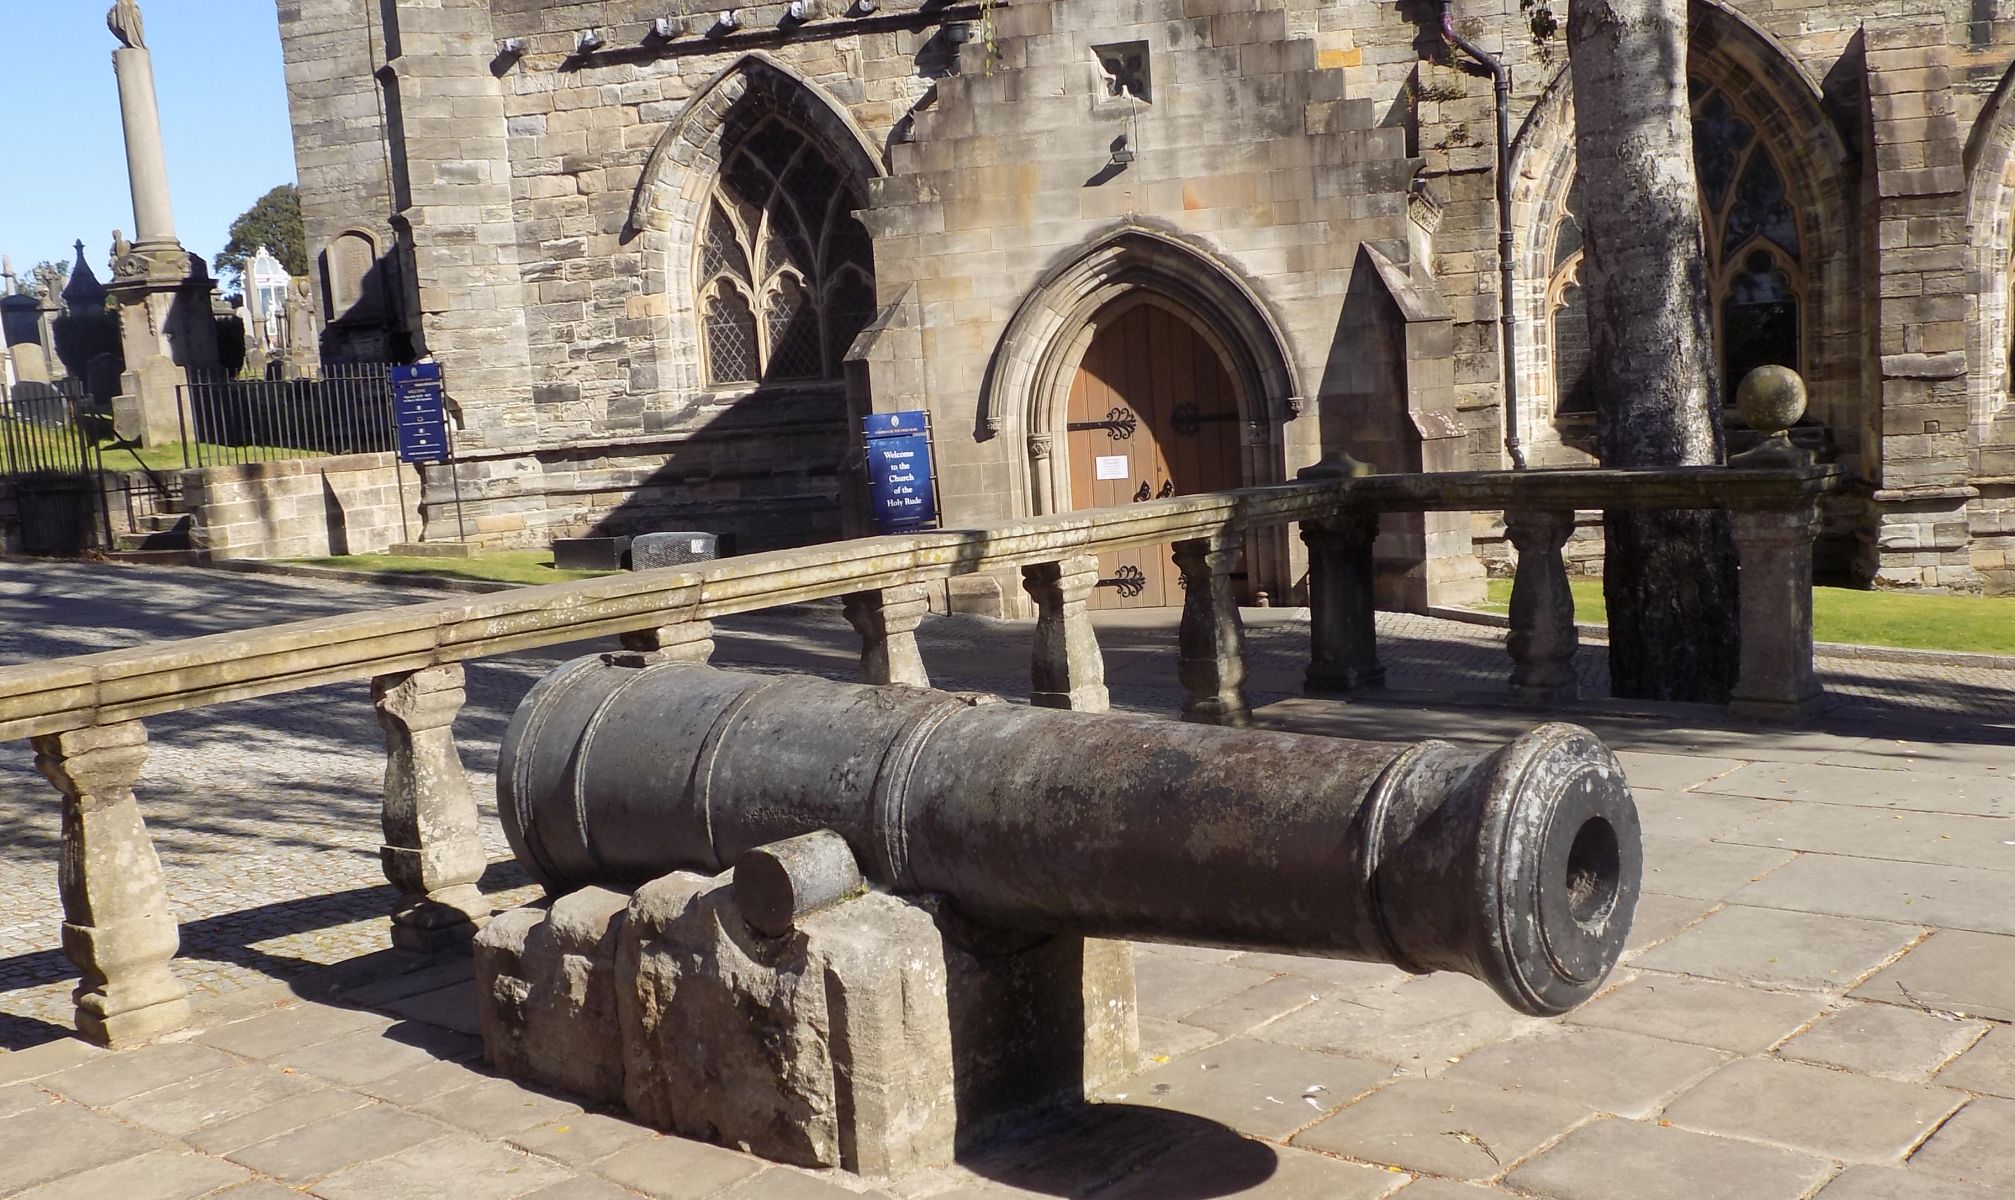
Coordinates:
1519 866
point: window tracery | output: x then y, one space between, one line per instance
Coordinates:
786 272
1755 269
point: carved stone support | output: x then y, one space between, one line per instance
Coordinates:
689 641
1343 631
1068 669
1543 639
117 926
1775 680
1211 637
887 620
433 851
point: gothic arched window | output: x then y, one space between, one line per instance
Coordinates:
786 272
1755 271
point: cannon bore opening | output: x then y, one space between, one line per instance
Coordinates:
1594 873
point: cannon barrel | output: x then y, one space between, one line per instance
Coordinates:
1519 866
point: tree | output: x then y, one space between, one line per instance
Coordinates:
275 223
1668 577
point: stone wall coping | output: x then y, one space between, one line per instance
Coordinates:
142 681
283 468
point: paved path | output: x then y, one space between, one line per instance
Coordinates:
1817 1003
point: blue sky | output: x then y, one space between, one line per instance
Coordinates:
223 97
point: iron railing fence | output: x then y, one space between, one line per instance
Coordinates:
48 429
227 422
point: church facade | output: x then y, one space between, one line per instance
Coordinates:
670 256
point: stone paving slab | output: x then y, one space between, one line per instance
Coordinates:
1896 1043
1605 1070
1833 1114
1891 1183
1971 974
1988 1067
1776 949
1444 1127
1887 890
1921 791
1976 1147
1705 1012
1610 1160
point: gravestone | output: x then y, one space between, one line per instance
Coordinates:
652 550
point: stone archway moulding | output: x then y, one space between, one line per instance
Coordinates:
665 210
1028 382
1990 211
695 131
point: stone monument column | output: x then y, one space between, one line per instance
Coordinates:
162 292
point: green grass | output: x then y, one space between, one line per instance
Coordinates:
501 566
1978 624
31 442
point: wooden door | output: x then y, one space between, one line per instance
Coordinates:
1152 415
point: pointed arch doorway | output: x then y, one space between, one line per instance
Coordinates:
1152 413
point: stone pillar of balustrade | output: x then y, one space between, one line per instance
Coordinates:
1543 640
887 620
1211 637
1775 679
1343 614
689 641
1068 670
433 851
117 926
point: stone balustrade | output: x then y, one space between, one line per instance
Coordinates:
1775 512
85 714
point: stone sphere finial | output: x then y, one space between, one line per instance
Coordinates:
1771 399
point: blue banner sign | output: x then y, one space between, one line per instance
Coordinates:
420 408
881 425
900 480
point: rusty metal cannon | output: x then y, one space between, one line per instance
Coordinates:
1519 866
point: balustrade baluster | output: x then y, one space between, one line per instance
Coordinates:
1211 637
117 926
1343 613
1775 679
433 851
1543 639
690 641
887 620
1068 670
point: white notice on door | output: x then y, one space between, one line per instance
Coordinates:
1112 466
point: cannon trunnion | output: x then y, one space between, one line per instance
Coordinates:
1519 865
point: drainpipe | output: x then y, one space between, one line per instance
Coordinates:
1507 286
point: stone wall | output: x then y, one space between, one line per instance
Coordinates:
10 520
305 507
545 201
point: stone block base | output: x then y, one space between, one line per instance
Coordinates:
1921 540
875 1033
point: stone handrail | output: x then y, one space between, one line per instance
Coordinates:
144 681
85 714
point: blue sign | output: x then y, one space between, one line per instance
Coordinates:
900 480
420 408
882 425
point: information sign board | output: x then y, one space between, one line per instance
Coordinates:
420 408
901 483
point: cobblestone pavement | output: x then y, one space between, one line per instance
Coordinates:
1817 1003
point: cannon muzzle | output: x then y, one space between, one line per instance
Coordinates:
1519 866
